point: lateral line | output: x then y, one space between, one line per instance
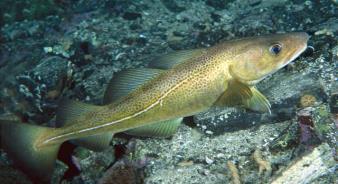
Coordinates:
122 119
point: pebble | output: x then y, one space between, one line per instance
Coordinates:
208 160
209 132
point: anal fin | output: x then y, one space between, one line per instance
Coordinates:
160 129
97 142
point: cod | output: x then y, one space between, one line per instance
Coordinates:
153 101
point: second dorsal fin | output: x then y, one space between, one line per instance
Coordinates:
125 81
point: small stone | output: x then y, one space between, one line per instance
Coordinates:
220 155
208 160
131 15
324 32
307 100
48 49
185 163
206 172
209 132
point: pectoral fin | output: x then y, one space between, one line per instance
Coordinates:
172 59
160 129
258 102
238 93
235 94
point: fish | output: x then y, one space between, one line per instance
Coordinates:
153 101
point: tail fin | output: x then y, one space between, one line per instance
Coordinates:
18 140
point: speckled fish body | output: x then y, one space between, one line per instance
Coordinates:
182 84
189 87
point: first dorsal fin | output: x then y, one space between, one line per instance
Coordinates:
172 59
125 81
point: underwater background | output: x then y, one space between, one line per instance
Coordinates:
53 49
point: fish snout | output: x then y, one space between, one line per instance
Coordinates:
302 38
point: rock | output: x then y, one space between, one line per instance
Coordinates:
218 5
92 165
29 9
42 83
49 71
324 124
283 90
310 168
9 175
173 6
131 15
122 172
166 155
101 38
208 160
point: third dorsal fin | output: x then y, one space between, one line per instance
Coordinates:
69 112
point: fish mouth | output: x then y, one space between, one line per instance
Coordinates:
303 39
296 54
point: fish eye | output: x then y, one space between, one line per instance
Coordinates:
275 48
